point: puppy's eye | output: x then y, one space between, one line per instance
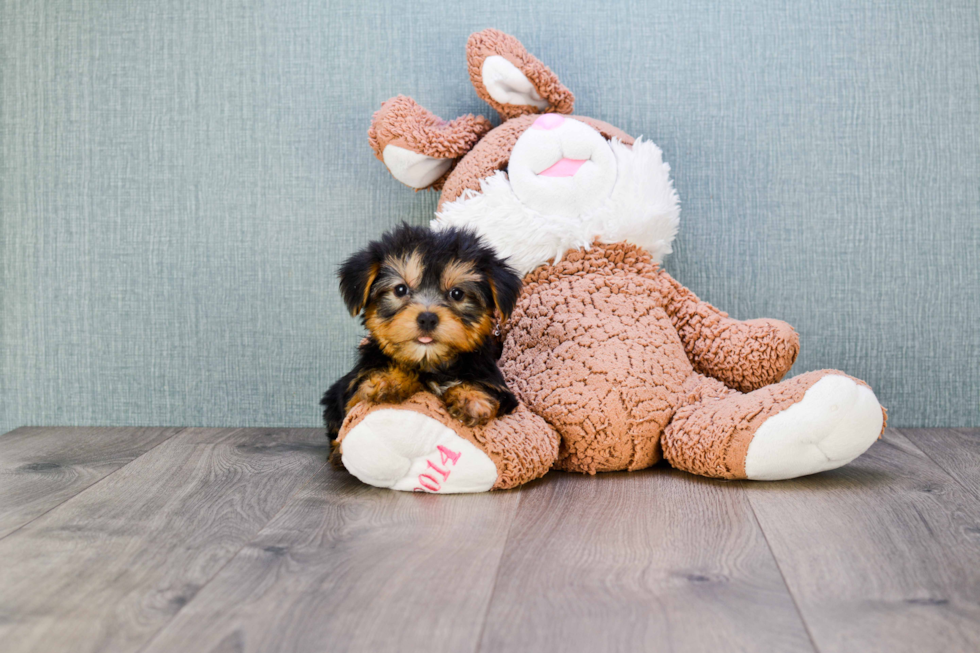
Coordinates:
401 290
456 294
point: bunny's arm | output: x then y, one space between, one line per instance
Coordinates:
742 355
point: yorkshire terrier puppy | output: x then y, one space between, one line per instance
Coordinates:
428 300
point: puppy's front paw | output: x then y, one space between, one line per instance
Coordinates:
391 386
470 404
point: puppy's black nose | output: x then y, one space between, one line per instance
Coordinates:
428 320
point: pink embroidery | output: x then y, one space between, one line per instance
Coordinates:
448 454
431 483
444 472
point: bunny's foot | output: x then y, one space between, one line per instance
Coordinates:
418 446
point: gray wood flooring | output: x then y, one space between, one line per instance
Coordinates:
159 540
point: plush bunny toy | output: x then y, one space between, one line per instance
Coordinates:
616 364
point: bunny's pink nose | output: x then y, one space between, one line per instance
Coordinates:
548 121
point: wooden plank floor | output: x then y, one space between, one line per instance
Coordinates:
158 540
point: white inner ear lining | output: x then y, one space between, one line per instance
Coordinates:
414 169
506 84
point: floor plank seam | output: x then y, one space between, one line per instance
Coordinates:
496 575
95 483
779 568
935 462
231 558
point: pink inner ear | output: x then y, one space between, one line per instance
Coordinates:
564 168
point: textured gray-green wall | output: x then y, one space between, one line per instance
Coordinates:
180 179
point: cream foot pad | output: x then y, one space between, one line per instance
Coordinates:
406 450
835 422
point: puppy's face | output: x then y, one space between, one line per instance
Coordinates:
427 314
428 297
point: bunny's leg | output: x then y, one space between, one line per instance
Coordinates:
418 446
808 424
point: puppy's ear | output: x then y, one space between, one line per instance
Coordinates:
356 276
418 147
505 286
512 80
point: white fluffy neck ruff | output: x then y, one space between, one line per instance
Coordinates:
642 209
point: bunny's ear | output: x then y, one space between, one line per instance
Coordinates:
418 147
511 80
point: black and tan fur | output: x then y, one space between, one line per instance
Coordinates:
416 283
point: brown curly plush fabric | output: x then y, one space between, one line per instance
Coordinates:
598 346
720 347
521 445
493 152
402 122
491 42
